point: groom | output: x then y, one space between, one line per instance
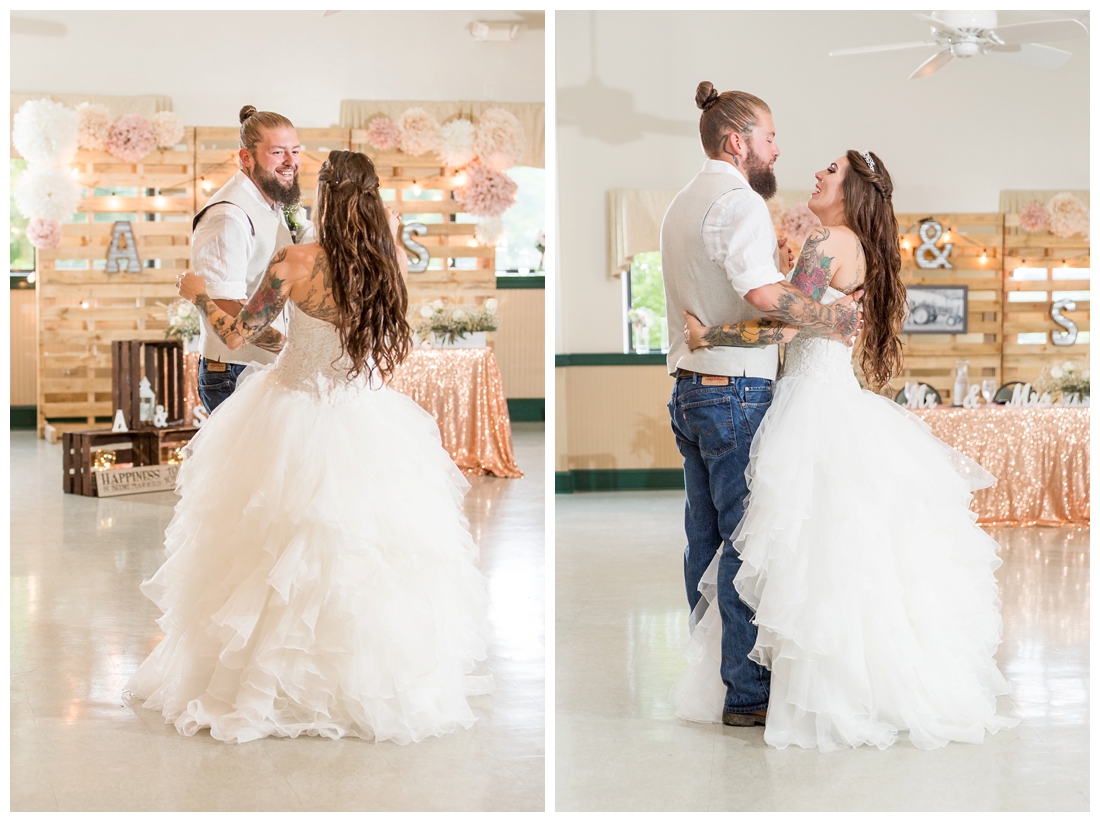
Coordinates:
722 262
234 238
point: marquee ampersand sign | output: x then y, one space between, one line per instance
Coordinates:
930 233
1069 336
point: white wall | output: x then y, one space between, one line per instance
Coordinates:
297 63
951 141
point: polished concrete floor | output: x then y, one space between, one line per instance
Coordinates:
80 626
621 617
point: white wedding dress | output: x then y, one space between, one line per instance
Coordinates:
320 575
872 586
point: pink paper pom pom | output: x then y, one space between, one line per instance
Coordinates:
382 134
44 233
488 192
797 224
167 129
131 138
419 132
499 140
94 126
1034 217
1068 215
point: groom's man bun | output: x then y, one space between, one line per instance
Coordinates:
253 122
725 113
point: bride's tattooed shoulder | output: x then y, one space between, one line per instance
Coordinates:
814 270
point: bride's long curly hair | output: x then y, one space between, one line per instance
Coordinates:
365 279
869 212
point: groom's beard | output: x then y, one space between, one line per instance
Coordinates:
276 189
760 175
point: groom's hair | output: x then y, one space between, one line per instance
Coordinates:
725 113
253 122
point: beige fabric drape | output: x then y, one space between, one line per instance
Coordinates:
359 113
634 219
1012 200
144 104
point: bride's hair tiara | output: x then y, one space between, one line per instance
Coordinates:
866 155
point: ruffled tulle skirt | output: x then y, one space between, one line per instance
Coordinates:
320 576
873 588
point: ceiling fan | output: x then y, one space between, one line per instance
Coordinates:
969 33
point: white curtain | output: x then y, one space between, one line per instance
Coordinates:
359 113
634 219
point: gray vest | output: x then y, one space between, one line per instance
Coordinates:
693 282
269 233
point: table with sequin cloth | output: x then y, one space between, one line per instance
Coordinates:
1040 457
461 388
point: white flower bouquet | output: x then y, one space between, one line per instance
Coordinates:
183 321
450 322
1069 379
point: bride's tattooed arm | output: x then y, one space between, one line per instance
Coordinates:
251 325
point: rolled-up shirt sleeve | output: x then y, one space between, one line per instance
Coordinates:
221 247
739 237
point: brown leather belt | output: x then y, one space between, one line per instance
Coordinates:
710 379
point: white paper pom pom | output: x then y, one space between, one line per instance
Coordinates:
456 147
44 233
499 139
1068 215
47 192
45 132
94 126
419 132
490 231
167 129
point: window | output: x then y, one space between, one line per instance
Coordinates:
646 324
20 250
517 252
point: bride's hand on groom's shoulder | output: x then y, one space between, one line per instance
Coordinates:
786 257
190 285
694 332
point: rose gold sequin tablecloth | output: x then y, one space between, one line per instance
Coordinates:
191 380
461 388
1040 457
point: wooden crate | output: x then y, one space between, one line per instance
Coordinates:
81 308
79 449
161 362
448 241
977 259
138 448
1058 257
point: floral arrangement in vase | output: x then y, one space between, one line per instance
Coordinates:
1069 380
183 323
449 323
641 320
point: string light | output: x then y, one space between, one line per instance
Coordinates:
984 257
75 172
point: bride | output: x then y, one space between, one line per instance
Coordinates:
320 575
872 586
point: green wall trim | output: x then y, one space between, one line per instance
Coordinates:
567 360
24 417
527 409
530 281
621 479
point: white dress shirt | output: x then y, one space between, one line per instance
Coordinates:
738 234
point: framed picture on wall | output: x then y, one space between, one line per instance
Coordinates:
936 309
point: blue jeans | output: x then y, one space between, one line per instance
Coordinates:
714 427
216 386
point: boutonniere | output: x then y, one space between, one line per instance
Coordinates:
295 217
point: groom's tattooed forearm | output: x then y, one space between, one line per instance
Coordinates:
219 320
754 334
814 271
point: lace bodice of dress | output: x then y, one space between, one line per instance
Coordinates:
313 361
818 357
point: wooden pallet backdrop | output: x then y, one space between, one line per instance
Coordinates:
460 269
82 308
1062 259
977 259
